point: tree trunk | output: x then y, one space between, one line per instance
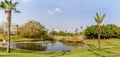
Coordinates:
99 44
9 27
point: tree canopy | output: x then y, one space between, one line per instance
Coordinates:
107 31
33 29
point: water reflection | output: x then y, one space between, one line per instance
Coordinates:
50 47
31 46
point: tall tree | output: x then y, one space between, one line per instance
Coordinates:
8 6
99 18
33 29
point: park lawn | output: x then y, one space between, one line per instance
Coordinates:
110 47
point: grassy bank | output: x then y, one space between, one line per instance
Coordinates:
110 48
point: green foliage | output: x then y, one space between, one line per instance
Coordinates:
91 32
107 31
99 18
7 5
53 33
60 33
33 29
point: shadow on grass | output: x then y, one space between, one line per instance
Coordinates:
92 46
95 51
109 43
59 54
64 52
107 50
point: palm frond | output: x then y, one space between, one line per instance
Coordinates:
96 19
3 5
7 4
99 18
102 17
10 3
6 11
14 4
15 10
97 15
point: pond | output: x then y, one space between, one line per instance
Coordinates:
49 47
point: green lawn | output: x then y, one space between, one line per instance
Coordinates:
110 48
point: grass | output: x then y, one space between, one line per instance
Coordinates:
110 48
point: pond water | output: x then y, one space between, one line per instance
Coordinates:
49 47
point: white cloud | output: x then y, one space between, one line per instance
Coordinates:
58 10
54 11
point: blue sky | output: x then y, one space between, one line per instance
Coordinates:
65 14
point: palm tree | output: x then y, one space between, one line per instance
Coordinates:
8 6
99 18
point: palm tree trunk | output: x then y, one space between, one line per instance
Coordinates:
99 44
9 26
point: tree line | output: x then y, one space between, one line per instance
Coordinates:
65 33
33 29
107 31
